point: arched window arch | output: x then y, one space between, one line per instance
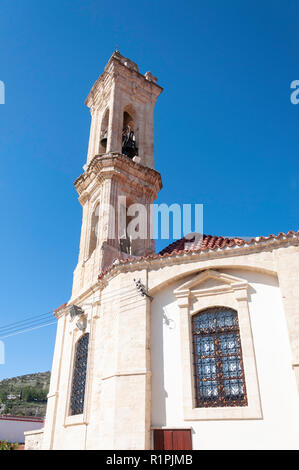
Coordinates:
129 133
217 358
94 225
125 242
79 375
104 132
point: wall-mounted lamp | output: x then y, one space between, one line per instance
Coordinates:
142 289
75 311
82 324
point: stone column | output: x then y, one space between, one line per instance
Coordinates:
126 381
50 422
93 126
288 276
115 120
149 135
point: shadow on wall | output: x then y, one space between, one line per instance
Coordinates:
159 394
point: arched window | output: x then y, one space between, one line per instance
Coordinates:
104 132
79 375
124 219
129 144
93 240
217 354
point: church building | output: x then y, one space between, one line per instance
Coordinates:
195 347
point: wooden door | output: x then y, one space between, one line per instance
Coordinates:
172 439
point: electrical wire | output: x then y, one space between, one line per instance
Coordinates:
28 324
30 329
24 326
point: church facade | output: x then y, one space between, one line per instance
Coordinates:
196 347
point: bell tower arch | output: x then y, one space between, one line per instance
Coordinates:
119 180
123 97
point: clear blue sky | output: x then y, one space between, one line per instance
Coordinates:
226 133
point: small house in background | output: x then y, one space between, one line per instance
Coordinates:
11 397
12 428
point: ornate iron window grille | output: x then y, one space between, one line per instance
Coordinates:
79 375
217 354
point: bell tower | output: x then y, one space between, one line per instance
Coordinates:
122 108
119 182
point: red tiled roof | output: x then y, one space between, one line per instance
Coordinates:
183 245
33 419
206 242
59 308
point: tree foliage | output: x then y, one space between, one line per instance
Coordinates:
5 445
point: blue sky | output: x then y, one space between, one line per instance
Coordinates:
226 133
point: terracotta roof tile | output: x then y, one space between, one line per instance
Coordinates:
183 245
208 242
59 308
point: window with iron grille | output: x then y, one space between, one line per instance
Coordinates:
218 365
79 376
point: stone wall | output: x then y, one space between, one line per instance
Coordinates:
131 348
33 439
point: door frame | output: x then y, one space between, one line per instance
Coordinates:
172 428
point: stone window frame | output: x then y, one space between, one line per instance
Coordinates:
218 357
71 420
231 292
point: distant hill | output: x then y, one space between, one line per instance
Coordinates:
25 395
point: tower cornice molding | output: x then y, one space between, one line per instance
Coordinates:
141 179
125 73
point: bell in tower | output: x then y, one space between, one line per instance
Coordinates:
129 146
104 132
129 142
104 139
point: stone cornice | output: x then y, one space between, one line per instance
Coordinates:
116 166
59 312
159 261
156 261
123 70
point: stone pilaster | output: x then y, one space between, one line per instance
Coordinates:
53 395
288 276
126 374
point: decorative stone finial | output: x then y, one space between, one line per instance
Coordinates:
150 77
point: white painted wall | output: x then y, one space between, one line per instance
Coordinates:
13 431
279 397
